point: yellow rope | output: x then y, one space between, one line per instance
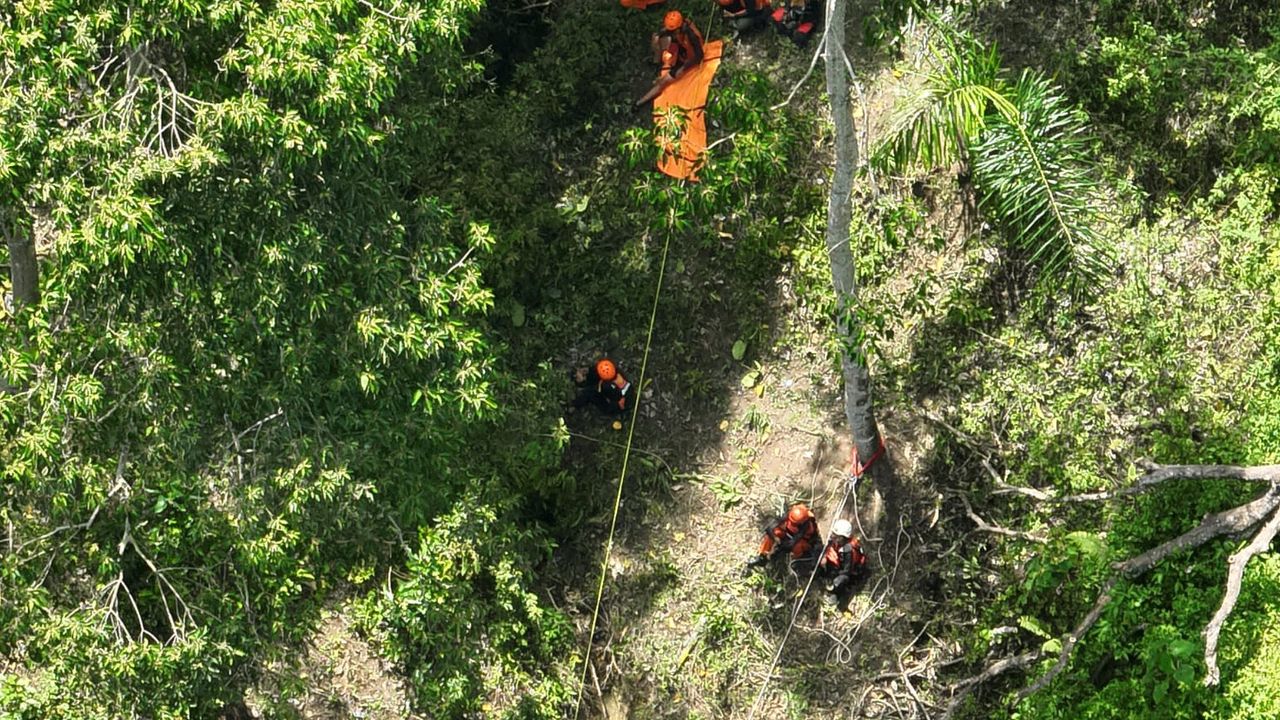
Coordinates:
626 456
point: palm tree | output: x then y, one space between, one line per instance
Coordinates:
1028 150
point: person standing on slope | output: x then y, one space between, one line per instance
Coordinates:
604 387
843 562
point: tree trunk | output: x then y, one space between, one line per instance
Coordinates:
857 379
22 266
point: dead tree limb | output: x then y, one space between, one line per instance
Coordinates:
1235 575
984 526
1265 507
1155 475
1227 522
1257 473
1069 642
1214 525
962 689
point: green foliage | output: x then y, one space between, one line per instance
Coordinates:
260 350
465 616
947 110
311 271
1162 364
1183 91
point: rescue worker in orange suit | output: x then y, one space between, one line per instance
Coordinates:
604 387
843 563
744 15
797 19
677 48
795 534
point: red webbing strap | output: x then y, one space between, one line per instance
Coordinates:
855 468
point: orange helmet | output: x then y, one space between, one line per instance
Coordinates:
799 513
672 20
606 370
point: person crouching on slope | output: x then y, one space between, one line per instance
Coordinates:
796 534
605 388
744 15
843 563
797 19
677 48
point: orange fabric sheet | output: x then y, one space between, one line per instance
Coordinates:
683 147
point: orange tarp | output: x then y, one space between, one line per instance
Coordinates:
688 97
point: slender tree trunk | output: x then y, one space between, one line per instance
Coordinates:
23 270
857 379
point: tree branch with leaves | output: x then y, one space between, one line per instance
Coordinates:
1260 516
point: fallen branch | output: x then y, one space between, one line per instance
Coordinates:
962 689
984 526
1155 475
1214 525
1235 575
1231 521
1069 642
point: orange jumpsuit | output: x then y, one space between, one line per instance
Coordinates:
788 537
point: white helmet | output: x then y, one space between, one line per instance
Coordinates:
843 528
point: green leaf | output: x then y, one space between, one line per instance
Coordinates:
1031 625
739 349
1051 647
750 379
517 314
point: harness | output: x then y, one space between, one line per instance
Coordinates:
621 385
788 538
847 556
682 41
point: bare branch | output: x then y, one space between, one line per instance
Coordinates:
1156 475
461 260
961 689
1069 642
817 53
1003 488
1235 575
1257 473
258 424
1214 525
985 526
388 15
1231 521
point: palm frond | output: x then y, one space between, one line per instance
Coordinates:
947 109
1033 169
